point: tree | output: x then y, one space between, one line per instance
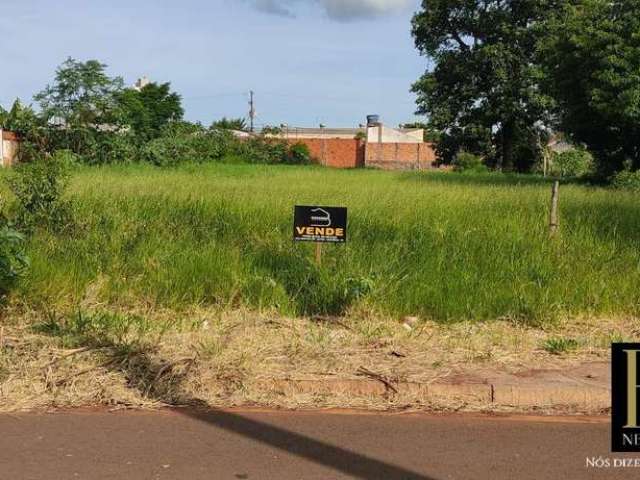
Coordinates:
82 95
20 118
231 124
592 62
482 92
148 110
429 136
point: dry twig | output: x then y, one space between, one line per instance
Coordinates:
376 376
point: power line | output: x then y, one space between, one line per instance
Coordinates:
217 95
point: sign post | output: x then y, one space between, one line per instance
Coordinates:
320 225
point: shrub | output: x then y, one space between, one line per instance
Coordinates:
114 148
468 162
13 261
627 179
168 150
274 151
572 163
264 150
39 187
298 154
178 147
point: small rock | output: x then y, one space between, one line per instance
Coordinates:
410 323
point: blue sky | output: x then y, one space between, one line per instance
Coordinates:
308 61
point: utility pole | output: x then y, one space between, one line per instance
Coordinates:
252 109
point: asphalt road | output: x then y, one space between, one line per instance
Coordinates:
192 445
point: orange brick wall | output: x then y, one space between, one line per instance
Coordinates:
352 153
335 152
410 156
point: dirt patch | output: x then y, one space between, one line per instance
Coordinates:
246 359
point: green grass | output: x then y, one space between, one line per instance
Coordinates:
439 245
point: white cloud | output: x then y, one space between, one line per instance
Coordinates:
350 9
275 7
342 10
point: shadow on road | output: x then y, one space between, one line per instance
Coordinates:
157 381
345 461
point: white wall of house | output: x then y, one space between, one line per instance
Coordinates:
383 134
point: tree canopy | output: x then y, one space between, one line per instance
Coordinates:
591 55
148 110
82 94
483 91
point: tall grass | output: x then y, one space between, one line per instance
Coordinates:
441 246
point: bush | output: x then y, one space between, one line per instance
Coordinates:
114 148
169 150
264 150
177 147
180 142
572 163
468 162
13 261
39 187
273 151
298 154
627 179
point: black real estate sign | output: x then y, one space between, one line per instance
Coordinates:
320 224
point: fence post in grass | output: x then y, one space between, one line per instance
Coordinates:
554 222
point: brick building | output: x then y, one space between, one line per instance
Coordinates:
373 146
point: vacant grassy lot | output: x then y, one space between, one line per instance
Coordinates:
445 247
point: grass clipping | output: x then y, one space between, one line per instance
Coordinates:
203 357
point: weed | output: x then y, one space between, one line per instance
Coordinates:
97 329
559 345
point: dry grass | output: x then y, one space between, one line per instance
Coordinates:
243 358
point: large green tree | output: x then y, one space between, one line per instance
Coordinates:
482 90
82 95
592 63
148 110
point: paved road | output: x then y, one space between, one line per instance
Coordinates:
192 445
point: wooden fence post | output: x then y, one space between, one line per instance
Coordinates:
554 221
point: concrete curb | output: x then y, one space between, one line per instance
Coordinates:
527 396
